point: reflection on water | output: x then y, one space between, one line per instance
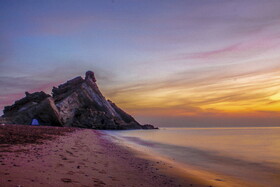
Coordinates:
246 153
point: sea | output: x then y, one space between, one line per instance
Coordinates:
249 154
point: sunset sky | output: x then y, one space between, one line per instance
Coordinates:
169 63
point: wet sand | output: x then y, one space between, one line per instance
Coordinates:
52 156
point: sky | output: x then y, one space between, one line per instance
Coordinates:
169 63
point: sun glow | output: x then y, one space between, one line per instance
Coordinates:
275 97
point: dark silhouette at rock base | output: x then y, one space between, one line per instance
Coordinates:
76 103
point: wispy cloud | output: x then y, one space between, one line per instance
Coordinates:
216 93
182 58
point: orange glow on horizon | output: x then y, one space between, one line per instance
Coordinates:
247 95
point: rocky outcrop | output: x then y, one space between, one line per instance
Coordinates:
148 126
24 103
76 103
38 106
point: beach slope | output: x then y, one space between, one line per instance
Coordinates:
57 156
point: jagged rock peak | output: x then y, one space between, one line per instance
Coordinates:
90 75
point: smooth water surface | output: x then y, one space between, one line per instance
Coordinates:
246 153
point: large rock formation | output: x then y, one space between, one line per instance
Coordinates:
76 103
38 105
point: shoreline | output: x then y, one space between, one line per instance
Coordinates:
182 171
83 157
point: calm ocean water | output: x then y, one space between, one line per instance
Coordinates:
250 154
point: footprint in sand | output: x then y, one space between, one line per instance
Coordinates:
70 153
60 165
98 182
113 178
66 180
81 163
102 172
70 173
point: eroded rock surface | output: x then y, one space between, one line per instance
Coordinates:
76 103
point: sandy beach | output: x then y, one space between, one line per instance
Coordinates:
53 156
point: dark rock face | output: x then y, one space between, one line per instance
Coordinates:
76 103
44 111
26 102
148 126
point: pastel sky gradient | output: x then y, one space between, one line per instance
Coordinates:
169 63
